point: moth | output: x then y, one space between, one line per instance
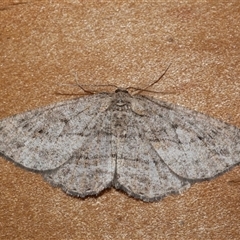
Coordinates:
145 147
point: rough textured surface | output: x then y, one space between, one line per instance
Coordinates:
126 44
146 147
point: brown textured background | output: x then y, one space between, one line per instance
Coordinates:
42 45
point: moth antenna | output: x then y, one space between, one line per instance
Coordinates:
80 86
145 89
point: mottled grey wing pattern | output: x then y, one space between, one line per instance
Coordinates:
193 145
63 143
91 167
167 147
140 170
145 147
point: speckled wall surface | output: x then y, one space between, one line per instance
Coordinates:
44 43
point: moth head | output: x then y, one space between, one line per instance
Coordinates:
121 99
